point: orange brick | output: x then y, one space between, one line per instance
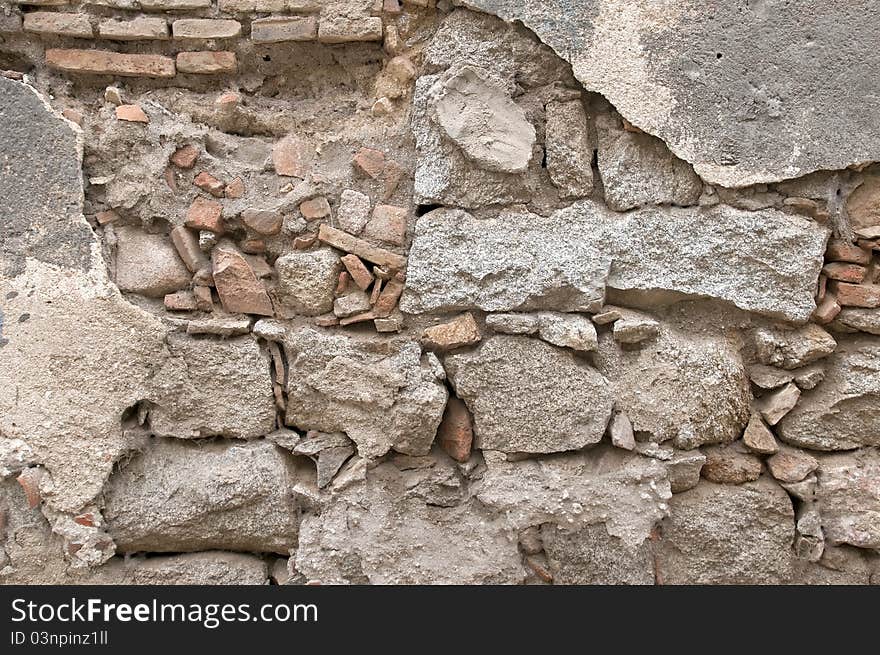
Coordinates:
843 251
207 182
456 432
207 62
50 22
185 156
315 208
359 273
856 295
102 62
131 113
369 161
205 214
844 272
388 224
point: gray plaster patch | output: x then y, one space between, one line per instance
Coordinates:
40 204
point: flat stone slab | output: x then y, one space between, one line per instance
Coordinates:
764 261
685 73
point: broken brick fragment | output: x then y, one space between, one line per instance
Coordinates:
369 161
185 156
359 273
315 208
207 182
388 298
237 285
235 189
290 157
856 295
456 432
181 301
205 214
461 331
131 113
388 224
29 479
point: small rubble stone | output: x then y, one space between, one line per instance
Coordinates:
390 323
358 318
353 211
315 208
759 438
848 498
388 224
207 182
370 162
514 323
148 264
459 332
809 377
131 113
342 283
356 302
253 246
775 405
239 288
359 273
730 464
684 470
632 329
290 157
606 316
204 300
569 148
791 349
862 320
306 280
769 377
621 430
204 214
791 465
262 221
573 331
827 310
305 242
185 157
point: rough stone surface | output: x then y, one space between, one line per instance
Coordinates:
503 263
179 496
848 497
381 400
519 391
626 491
148 264
212 388
840 413
730 464
689 388
793 348
239 288
706 109
569 149
637 169
307 280
749 527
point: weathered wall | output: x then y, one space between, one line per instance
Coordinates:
362 291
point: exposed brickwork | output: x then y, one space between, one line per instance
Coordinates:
50 22
278 30
200 29
206 62
141 28
110 63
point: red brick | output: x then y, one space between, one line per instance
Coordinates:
844 272
207 182
51 22
843 251
363 249
102 62
141 28
358 318
207 62
388 298
388 224
342 283
369 161
377 291
268 6
205 214
187 245
87 519
856 295
456 431
277 30
205 28
73 115
131 113
359 273
315 208
29 479
262 221
185 156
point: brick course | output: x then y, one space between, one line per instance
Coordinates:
102 62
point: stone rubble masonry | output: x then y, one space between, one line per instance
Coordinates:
278 30
102 62
206 62
141 28
49 22
344 241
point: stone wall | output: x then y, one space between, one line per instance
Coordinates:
361 291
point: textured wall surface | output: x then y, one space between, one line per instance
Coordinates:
475 292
